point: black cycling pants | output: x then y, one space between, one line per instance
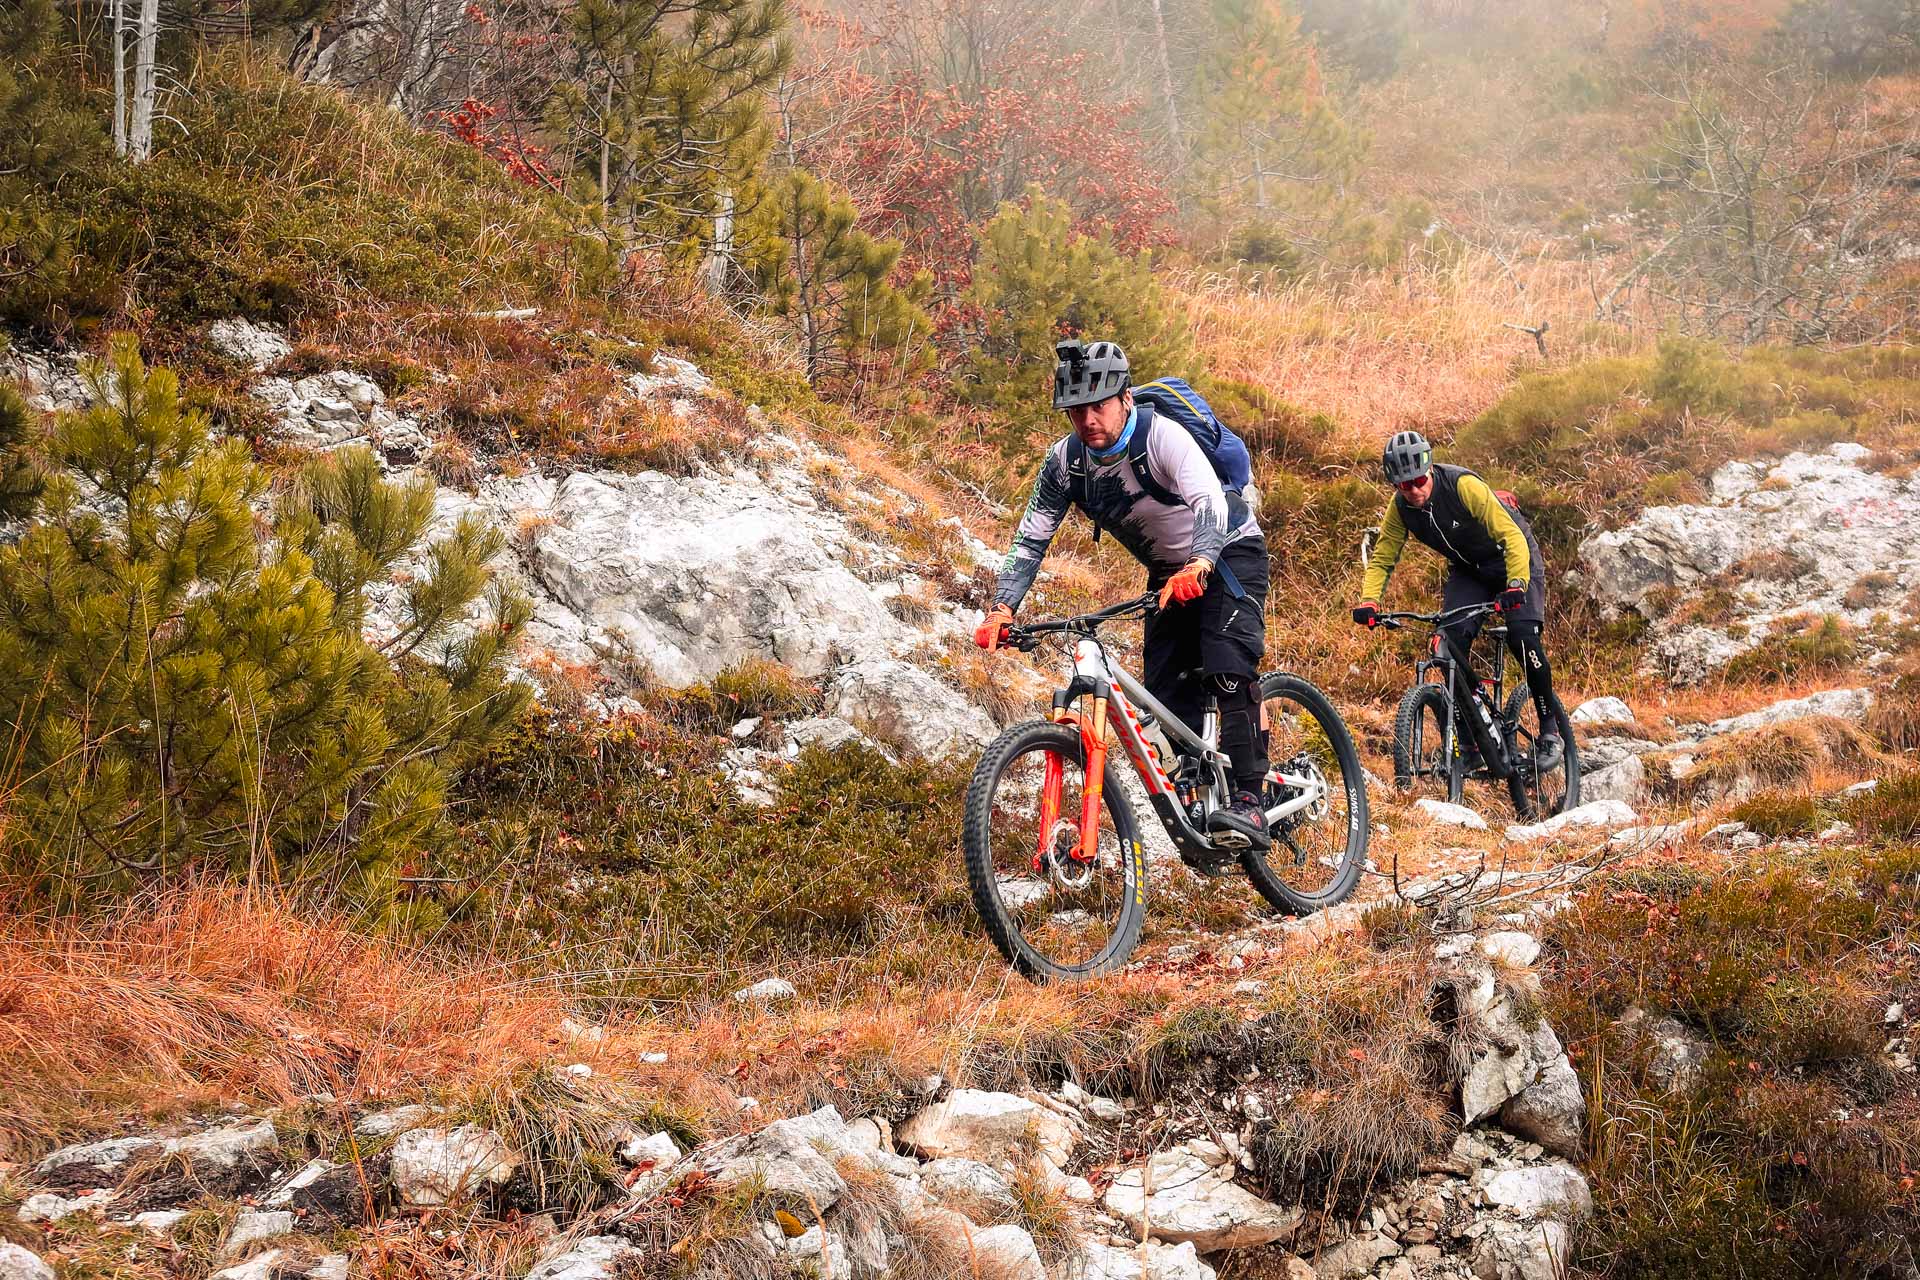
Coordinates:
1214 645
1523 641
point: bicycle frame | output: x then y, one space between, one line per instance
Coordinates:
1117 700
1440 658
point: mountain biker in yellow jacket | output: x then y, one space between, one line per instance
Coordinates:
1492 556
1182 524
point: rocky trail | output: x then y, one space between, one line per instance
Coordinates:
779 556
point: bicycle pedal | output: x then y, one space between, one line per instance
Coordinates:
1198 861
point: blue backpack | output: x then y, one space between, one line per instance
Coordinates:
1176 401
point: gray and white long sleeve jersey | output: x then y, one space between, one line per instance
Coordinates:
1161 537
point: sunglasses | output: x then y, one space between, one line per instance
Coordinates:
1413 486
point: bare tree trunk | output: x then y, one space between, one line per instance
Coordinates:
722 254
419 57
145 83
119 24
1166 80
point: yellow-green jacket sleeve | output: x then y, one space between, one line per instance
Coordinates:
1478 499
1386 554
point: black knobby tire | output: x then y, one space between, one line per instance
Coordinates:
1419 739
1323 863
1537 798
1015 930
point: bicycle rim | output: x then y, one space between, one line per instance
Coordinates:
1317 853
1053 911
1540 794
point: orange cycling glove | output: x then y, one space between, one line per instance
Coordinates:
992 628
1188 584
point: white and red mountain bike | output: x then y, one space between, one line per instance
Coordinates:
1053 854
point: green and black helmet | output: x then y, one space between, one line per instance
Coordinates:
1089 373
1408 457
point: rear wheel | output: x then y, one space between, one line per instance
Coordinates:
1054 911
1420 742
1538 794
1319 849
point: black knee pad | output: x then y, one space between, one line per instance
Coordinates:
1232 688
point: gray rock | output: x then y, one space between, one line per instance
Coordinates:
229 1146
1601 752
1354 1256
1450 815
1676 1054
1585 817
793 1160
261 1266
1105 1110
254 345
767 991
1552 1111
910 707
440 1166
251 1227
91 1163
830 733
20 1263
159 1222
1602 711
1148 1261
982 1125
1555 1190
48 1206
593 1258
693 576
50 383
1512 948
1625 782
1010 1252
384 1124
1839 522
1845 704
1188 1195
1521 1251
957 1179
331 1266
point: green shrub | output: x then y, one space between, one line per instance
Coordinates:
1038 280
1824 645
1891 811
188 693
1779 814
278 199
629 849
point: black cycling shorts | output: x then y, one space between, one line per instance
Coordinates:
1219 634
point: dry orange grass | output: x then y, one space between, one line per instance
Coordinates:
1421 347
214 991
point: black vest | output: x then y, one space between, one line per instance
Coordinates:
1456 533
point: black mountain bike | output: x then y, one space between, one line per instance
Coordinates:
1053 857
1427 742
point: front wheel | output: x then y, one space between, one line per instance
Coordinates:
1318 848
1420 742
1538 794
1055 911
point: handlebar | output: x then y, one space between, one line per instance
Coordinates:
1394 621
1024 636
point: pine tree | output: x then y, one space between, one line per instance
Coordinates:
47 131
1038 281
1269 150
183 692
661 110
830 280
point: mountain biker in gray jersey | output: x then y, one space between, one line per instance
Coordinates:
1491 556
1210 632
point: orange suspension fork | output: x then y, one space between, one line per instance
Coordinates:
1050 788
1094 738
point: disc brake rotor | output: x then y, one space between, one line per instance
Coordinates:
1065 866
1307 765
